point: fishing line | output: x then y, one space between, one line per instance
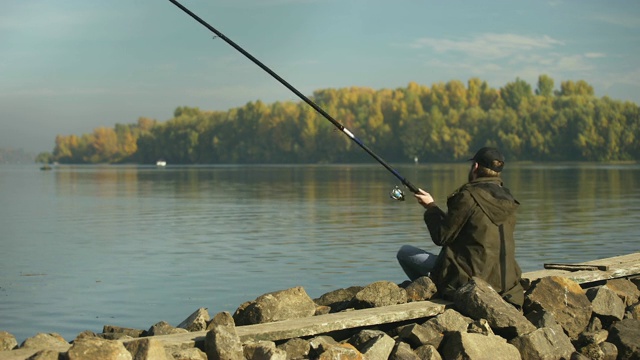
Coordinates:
396 193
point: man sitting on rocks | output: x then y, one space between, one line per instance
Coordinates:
476 234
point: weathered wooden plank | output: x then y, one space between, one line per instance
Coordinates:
576 267
316 324
342 320
617 267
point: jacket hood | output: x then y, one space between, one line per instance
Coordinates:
494 199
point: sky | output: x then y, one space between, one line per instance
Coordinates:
68 67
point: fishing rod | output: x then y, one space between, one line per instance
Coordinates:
395 193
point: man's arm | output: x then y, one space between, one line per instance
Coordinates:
445 227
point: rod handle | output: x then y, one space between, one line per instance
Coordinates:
411 187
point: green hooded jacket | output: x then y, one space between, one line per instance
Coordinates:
476 235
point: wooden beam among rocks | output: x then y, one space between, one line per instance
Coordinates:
590 272
315 324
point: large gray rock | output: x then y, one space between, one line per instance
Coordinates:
341 352
338 300
281 305
428 352
417 335
606 304
164 328
422 288
222 341
197 321
88 334
263 350
322 343
96 348
403 351
296 348
52 341
542 319
449 320
46 355
625 335
609 350
457 345
478 300
7 341
373 344
432 331
544 344
625 289
594 324
380 293
188 354
147 349
592 337
564 299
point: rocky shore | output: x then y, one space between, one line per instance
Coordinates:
560 320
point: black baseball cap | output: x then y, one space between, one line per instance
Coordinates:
486 156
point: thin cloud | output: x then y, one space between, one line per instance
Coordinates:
594 55
627 78
44 20
554 63
573 63
263 3
489 45
56 92
501 57
626 20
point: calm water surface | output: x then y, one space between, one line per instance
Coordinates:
86 246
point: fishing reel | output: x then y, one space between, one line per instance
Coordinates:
396 194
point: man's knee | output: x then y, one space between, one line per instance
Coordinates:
404 252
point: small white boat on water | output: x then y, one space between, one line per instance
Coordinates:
161 163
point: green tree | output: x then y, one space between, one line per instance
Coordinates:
457 95
571 88
514 93
44 158
473 92
489 98
545 86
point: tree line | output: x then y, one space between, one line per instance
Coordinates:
441 123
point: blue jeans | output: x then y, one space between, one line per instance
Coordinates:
416 262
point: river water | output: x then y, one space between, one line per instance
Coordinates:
87 246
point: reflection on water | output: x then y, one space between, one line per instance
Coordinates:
85 246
